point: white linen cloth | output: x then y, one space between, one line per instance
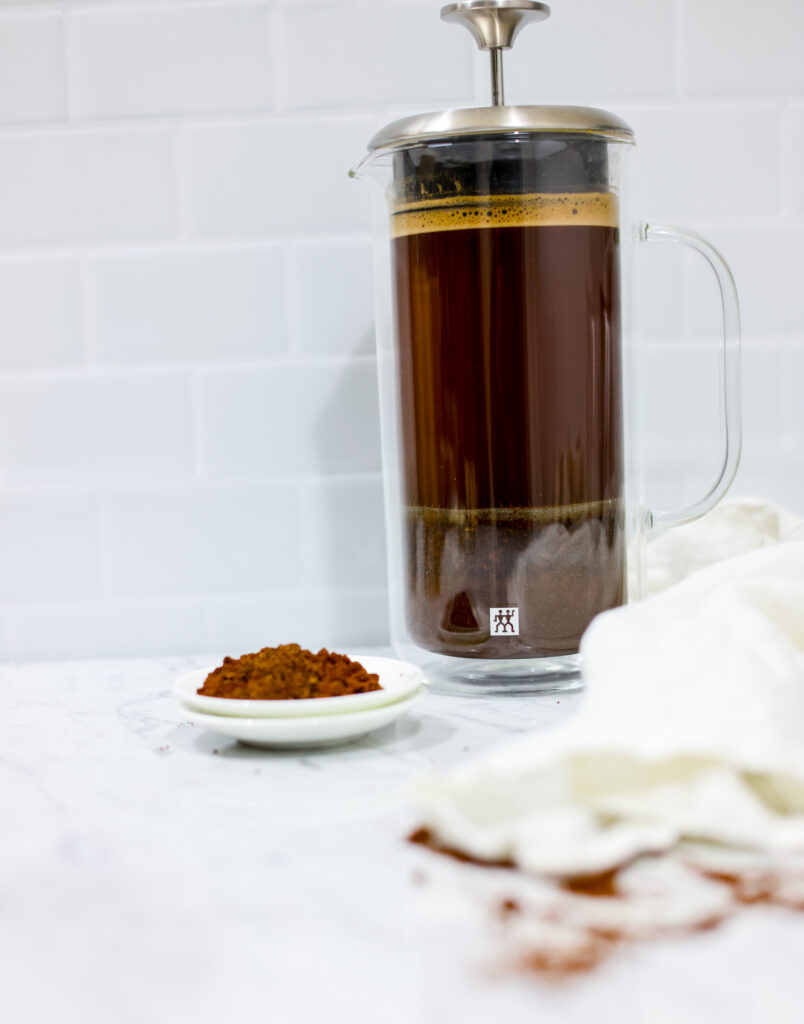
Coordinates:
732 528
691 727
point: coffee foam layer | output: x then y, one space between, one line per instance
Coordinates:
543 209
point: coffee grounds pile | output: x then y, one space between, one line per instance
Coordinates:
288 672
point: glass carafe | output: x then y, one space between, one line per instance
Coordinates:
513 507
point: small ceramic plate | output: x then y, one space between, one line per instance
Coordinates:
398 680
305 730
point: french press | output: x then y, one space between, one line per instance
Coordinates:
513 505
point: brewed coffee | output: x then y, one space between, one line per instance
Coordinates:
508 332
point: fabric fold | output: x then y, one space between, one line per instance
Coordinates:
691 728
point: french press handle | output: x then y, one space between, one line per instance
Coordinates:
730 378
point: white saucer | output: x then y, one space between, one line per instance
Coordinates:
306 730
398 680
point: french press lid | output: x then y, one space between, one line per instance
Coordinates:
494 25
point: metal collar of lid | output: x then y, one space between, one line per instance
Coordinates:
447 125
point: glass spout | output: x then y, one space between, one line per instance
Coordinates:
374 168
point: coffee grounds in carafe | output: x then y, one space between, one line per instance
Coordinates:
508 317
558 567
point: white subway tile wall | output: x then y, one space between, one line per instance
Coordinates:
187 304
171 541
738 49
343 523
400 54
302 418
32 67
49 546
189 436
101 426
67 186
274 176
133 62
339 274
704 161
588 50
41 317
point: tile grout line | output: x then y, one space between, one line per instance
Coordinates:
181 190
788 399
786 160
98 370
171 241
174 485
89 330
283 115
290 317
191 243
200 454
226 241
102 6
677 49
70 65
104 548
278 49
9 632
306 559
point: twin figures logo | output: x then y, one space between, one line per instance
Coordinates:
504 621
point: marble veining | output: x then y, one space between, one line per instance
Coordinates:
151 871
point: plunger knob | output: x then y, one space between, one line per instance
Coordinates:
494 25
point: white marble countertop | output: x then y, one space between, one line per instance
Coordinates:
151 871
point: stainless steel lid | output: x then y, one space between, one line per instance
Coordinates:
494 25
450 124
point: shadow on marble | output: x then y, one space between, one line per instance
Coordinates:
412 733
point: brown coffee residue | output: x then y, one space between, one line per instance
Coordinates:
603 884
751 888
593 943
559 964
746 889
591 948
288 672
424 837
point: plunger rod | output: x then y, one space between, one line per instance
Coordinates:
497 88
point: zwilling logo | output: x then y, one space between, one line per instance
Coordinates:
504 621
